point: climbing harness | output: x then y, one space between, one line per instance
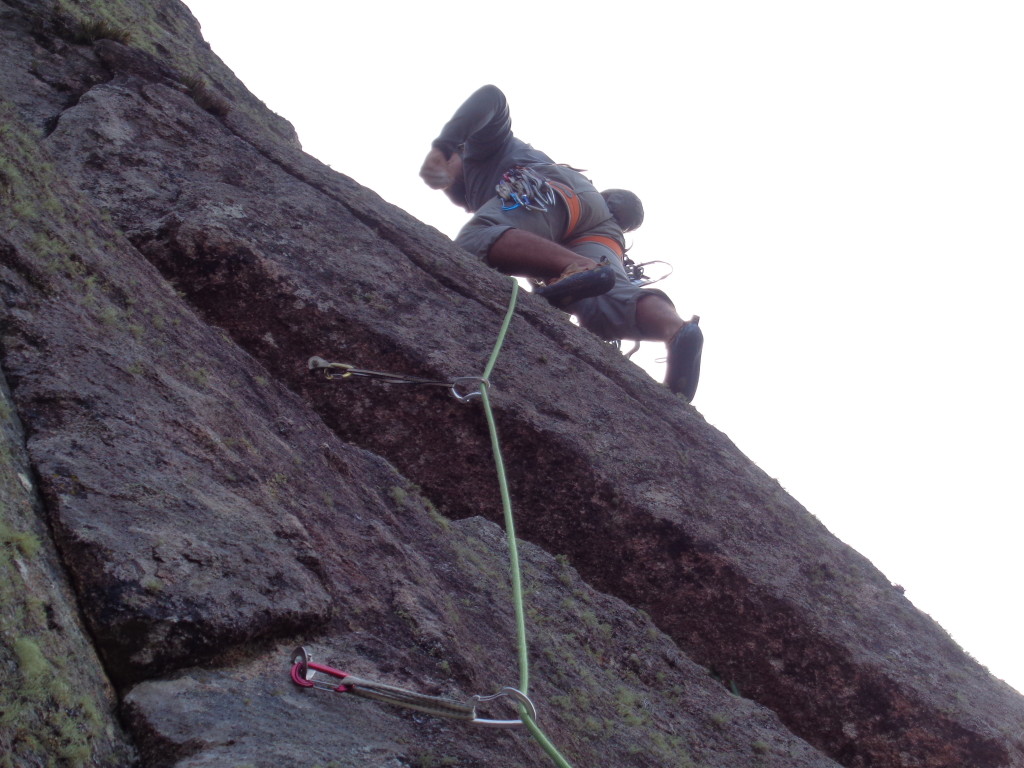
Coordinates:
307 674
610 243
303 670
462 388
521 187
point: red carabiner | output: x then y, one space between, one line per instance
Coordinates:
302 665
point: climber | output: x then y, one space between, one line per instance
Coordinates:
547 222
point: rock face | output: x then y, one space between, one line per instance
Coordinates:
183 502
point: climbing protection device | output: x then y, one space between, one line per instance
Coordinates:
521 187
635 272
462 388
636 275
308 674
302 667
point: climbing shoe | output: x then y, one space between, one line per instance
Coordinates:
573 286
684 359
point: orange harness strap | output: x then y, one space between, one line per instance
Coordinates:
575 208
608 242
572 203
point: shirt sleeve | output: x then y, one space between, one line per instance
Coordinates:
482 125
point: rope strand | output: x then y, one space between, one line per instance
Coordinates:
440 706
513 549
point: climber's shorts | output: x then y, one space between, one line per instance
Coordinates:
611 315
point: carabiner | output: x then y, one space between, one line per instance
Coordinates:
462 381
516 694
303 670
319 364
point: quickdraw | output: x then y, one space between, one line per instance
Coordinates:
519 186
462 388
307 674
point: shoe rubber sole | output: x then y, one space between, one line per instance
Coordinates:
582 285
684 360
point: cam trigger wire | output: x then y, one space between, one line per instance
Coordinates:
636 275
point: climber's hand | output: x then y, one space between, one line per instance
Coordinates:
435 171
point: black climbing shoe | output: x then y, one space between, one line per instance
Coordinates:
684 360
579 285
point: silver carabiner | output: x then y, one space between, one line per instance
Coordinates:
462 381
516 694
301 657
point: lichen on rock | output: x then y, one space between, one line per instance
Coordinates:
169 260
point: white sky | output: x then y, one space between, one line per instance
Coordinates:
838 186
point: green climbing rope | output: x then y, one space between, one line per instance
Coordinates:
462 390
513 550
